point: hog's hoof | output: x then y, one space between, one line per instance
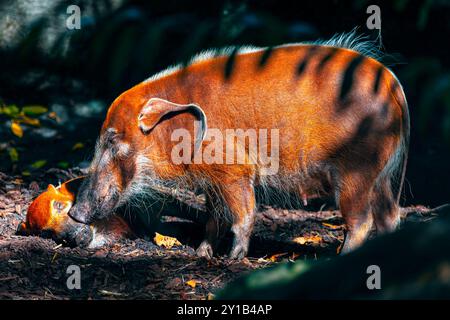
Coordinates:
205 250
238 252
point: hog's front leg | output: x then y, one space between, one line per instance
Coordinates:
239 198
215 229
236 203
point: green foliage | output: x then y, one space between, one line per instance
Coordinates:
34 110
11 111
63 164
39 164
27 115
18 116
13 154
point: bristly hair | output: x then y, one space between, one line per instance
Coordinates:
361 43
357 42
347 40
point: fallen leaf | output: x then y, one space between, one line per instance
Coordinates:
17 181
192 283
174 283
111 293
276 257
78 145
29 121
331 226
308 239
16 129
165 241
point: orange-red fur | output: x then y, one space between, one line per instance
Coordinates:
343 124
49 211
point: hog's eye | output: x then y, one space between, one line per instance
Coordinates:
59 206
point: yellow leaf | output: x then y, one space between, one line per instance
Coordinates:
16 129
30 121
277 256
308 239
165 241
331 226
192 283
78 145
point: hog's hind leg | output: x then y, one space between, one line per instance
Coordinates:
354 204
237 198
385 209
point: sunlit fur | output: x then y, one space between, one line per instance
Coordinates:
348 40
349 152
287 185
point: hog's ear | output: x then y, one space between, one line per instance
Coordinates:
72 186
22 229
153 111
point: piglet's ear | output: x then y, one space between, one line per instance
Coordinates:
51 188
155 109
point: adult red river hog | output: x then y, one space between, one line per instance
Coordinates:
327 118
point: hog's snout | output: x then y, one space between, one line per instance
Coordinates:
96 200
80 213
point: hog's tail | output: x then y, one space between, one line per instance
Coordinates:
404 146
395 169
401 154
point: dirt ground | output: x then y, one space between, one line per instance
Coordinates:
35 268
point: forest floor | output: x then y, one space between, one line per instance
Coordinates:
36 268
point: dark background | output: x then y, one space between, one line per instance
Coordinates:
75 74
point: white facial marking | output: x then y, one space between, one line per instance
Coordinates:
123 148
